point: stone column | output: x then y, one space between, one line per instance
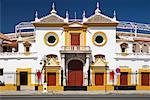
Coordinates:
63 68
85 70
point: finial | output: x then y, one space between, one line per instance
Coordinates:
135 30
53 9
97 11
83 14
67 14
97 5
36 17
75 16
114 18
36 14
84 17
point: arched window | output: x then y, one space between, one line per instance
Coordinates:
145 48
136 48
124 47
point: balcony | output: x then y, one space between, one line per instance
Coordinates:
75 49
18 55
133 56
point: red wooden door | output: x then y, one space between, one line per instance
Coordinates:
75 73
79 78
75 39
145 79
99 78
124 78
72 78
51 79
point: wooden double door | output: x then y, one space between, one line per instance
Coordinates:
145 79
75 73
124 78
51 79
99 79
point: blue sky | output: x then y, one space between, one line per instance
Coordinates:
14 11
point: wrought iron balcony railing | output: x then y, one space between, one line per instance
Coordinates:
75 49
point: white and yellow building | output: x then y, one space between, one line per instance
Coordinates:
75 54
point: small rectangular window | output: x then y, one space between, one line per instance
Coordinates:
123 49
27 49
1 71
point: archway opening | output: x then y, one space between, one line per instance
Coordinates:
75 73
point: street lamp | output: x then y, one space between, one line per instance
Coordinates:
43 62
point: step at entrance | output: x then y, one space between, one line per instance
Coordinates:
82 88
125 88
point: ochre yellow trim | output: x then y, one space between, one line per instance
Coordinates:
18 70
139 75
66 39
124 54
104 37
27 53
143 88
98 70
52 88
84 37
82 33
51 33
56 70
8 87
49 24
129 70
100 24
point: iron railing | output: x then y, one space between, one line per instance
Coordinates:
75 48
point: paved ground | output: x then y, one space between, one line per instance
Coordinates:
16 93
76 97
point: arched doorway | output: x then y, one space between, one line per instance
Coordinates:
75 73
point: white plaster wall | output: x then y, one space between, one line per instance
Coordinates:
135 65
33 46
44 49
20 47
10 66
109 48
129 49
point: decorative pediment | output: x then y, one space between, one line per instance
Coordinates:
52 60
75 24
52 18
27 44
100 61
99 18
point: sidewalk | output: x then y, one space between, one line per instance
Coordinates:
38 93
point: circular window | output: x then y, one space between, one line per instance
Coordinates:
51 39
99 39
